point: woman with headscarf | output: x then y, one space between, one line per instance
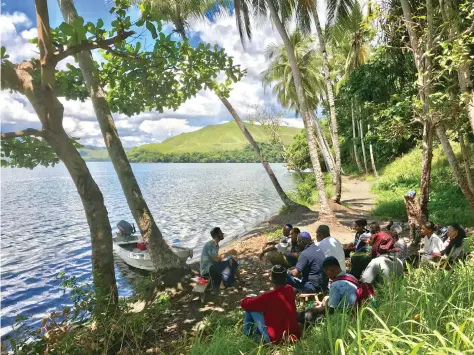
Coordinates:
456 235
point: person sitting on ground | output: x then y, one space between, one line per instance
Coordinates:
342 293
456 235
222 269
362 256
384 266
285 253
286 234
330 246
308 275
272 315
432 243
360 228
400 244
381 242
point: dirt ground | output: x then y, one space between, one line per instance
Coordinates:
187 311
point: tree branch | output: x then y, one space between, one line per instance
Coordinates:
25 133
10 78
88 46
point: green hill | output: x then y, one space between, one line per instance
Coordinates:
90 153
221 137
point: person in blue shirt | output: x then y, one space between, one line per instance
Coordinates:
308 275
342 293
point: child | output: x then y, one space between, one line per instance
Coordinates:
272 315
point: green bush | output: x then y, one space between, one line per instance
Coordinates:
447 202
306 192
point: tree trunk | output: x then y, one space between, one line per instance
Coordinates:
354 138
361 131
259 154
162 256
332 105
426 169
324 205
50 111
466 157
324 148
372 160
457 173
423 66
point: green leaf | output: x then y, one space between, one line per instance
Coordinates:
151 27
67 29
4 50
100 23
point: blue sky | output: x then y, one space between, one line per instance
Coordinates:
18 26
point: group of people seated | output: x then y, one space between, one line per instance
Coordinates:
301 264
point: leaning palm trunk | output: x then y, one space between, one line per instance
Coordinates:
305 113
361 131
372 160
259 154
466 157
325 151
162 256
354 138
332 105
457 173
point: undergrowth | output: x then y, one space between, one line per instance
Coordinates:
427 312
447 203
306 192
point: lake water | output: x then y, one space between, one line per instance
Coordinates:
44 229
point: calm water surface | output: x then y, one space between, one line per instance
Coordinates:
44 229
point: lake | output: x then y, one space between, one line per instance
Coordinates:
44 230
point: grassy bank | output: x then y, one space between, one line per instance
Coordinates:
447 203
427 312
306 193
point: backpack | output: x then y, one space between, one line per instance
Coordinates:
364 291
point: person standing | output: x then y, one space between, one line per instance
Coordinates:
330 246
222 269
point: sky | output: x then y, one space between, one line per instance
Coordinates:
18 25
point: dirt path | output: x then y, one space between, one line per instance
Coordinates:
187 312
356 202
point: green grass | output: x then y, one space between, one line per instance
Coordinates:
221 137
306 192
447 203
427 312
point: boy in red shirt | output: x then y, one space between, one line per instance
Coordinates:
272 315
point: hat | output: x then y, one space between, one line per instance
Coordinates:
304 235
397 228
289 225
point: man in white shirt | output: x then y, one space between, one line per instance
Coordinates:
384 266
433 245
330 246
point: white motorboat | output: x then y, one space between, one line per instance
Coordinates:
126 247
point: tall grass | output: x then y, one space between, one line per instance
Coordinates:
447 203
427 312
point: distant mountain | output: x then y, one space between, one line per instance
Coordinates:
216 138
220 137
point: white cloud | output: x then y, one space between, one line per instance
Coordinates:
80 120
166 127
293 122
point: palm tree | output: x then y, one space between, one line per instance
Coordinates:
349 41
279 76
178 13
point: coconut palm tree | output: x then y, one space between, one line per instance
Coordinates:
179 13
279 76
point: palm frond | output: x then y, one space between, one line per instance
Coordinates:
338 9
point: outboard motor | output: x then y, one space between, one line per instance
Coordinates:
126 229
